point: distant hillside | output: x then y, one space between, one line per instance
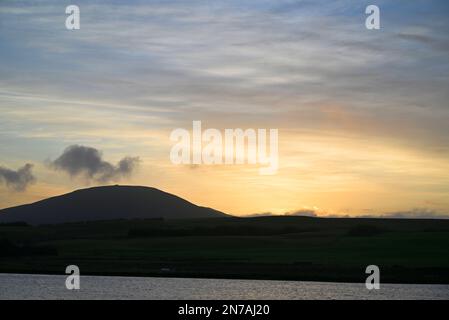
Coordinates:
107 203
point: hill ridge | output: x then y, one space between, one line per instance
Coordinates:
106 203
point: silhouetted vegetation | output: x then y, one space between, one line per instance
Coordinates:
15 224
9 249
217 231
290 248
365 230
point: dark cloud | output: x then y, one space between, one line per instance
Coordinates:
85 161
418 213
17 180
303 213
261 214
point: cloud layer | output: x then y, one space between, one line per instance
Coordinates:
88 162
416 213
362 114
17 180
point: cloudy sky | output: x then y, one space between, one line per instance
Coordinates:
363 115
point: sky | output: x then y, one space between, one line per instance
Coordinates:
362 115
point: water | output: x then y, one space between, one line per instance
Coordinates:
19 286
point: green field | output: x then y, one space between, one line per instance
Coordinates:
293 248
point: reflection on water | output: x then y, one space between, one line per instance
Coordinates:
15 286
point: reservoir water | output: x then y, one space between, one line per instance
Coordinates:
24 286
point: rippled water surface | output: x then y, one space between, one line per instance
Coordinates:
15 286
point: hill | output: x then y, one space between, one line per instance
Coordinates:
107 203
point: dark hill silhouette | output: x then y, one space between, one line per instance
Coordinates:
107 203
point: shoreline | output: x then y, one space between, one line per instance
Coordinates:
214 277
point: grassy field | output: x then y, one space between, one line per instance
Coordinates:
290 248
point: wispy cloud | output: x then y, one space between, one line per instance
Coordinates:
278 58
